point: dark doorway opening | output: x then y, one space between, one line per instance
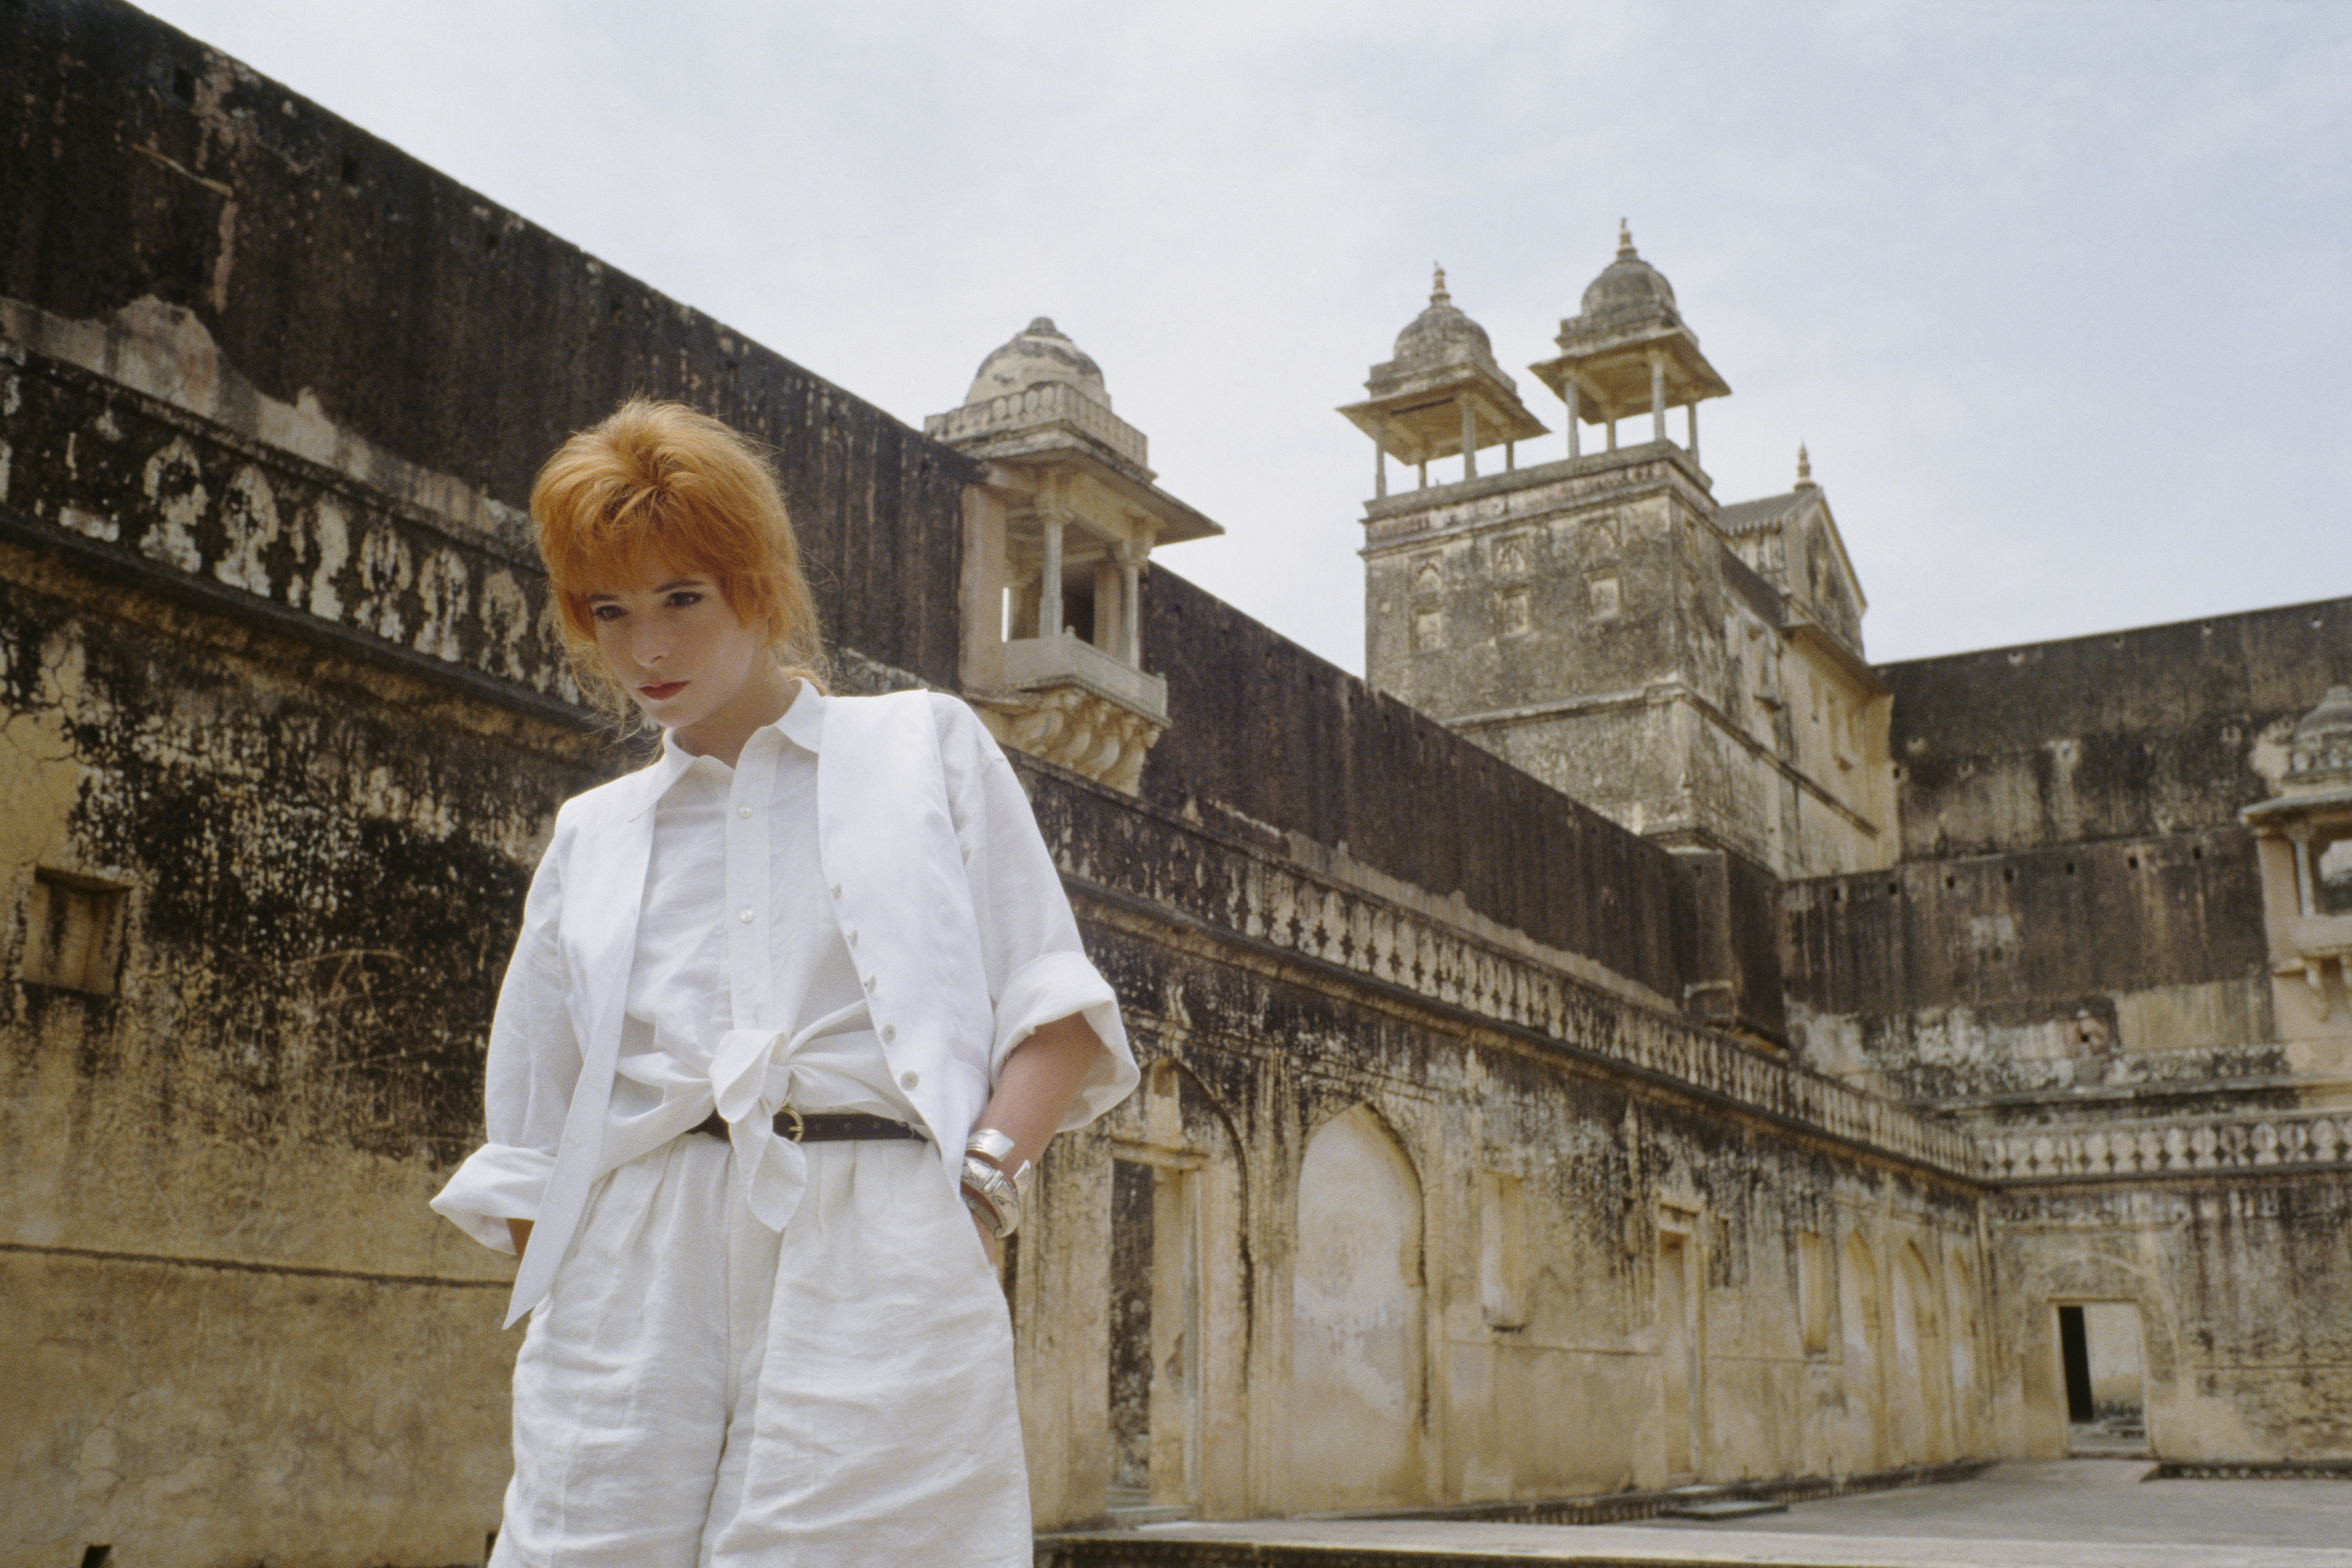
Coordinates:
2075 1345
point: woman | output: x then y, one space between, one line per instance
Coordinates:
779 998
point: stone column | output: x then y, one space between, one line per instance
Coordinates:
1130 602
1657 395
1574 394
2300 835
1049 579
1691 410
1469 438
1379 469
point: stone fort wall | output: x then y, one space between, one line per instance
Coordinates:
1441 1190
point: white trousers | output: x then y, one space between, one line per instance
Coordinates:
700 1392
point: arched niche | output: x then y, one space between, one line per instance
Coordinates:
1923 1375
1861 1334
1356 1364
1179 1313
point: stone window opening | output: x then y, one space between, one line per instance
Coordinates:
73 933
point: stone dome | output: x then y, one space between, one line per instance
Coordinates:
2321 746
1628 284
1037 353
1440 335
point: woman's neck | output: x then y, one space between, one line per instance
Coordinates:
761 700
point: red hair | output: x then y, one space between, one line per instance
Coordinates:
660 487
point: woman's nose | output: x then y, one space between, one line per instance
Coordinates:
648 648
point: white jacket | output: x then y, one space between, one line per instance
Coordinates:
930 854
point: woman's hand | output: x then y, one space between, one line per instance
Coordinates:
1033 1092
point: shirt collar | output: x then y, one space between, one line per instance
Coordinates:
803 723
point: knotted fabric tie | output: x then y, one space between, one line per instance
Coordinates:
775 1171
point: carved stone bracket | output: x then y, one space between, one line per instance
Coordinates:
1081 730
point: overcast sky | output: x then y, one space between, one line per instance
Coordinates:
2060 294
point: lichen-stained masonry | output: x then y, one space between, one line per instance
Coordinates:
1642 1042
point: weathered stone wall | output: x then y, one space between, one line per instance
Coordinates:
2073 960
342 279
2134 734
1443 1185
1545 1179
2240 1284
2044 982
1265 738
232 1329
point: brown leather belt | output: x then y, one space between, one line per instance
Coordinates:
822 1127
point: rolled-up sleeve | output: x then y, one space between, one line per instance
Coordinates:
1037 969
534 1064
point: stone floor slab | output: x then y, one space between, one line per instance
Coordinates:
2070 1514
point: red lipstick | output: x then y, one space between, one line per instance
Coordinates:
662 691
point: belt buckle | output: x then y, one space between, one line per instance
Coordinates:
792 1136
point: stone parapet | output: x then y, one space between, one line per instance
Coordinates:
1165 869
1019 421
2171 1148
132 485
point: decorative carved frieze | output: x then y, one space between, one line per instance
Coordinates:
125 478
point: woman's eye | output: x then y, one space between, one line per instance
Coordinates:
683 598
606 612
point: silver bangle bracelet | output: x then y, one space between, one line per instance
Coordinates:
994 1188
994 1147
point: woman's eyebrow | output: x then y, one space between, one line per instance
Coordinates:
670 588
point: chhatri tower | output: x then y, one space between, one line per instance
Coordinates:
1694 669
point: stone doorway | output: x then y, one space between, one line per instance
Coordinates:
2102 1354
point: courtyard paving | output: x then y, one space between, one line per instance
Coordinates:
2080 1513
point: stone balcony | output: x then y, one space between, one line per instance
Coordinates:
1071 703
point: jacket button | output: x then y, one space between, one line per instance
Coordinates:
869 985
742 811
837 890
746 917
909 1079
890 1031
852 936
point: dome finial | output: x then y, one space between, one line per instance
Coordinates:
1804 468
1437 294
1624 241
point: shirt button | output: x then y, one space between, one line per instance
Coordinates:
837 890
746 917
890 1031
909 1079
853 937
869 985
742 811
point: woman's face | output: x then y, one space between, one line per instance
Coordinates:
677 646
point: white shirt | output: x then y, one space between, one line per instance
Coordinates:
746 986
